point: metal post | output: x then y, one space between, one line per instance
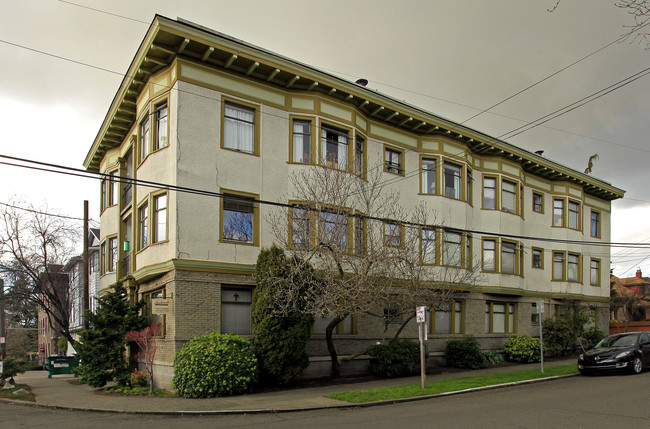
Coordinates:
3 332
423 358
86 280
540 311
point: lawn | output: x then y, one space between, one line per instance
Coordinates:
453 385
8 393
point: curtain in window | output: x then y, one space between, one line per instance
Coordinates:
334 149
488 255
236 311
452 180
443 319
509 196
301 141
428 176
452 250
239 128
161 218
508 258
428 246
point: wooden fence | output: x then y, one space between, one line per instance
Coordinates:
618 327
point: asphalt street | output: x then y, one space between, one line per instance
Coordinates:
577 402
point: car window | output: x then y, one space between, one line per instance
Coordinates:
645 338
619 341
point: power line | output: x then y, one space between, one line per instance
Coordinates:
43 213
60 169
104 12
570 107
542 80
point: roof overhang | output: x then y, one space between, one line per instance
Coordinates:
167 39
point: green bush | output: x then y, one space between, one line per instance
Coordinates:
10 368
591 337
280 340
464 353
398 358
214 364
522 348
557 336
493 357
138 379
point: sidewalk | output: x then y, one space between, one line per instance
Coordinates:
58 392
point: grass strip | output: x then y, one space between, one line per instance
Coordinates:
452 385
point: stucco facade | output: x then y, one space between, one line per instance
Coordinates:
165 235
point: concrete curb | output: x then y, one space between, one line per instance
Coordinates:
292 410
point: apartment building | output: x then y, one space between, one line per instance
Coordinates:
229 122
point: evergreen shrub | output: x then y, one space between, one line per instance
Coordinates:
522 348
213 365
557 336
592 336
398 358
464 353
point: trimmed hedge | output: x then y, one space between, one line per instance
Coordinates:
464 353
398 358
214 364
522 348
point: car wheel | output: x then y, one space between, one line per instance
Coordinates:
637 365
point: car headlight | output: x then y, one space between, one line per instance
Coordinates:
623 355
581 357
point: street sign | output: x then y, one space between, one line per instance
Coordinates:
540 307
2 340
420 313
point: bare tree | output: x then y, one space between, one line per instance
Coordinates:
34 246
369 251
639 31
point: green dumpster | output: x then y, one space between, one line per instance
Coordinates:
61 365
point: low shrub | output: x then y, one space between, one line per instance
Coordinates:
214 364
493 357
138 379
522 348
557 336
10 368
591 337
398 358
464 353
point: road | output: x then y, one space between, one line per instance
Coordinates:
578 402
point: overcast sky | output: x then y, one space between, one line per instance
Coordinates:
453 58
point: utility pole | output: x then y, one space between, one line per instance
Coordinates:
86 280
3 331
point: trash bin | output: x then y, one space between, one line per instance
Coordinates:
61 365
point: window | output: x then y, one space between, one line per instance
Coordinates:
334 228
112 254
489 255
154 317
489 193
538 261
428 246
574 215
428 176
143 225
538 202
145 138
468 251
102 259
114 189
236 311
104 197
448 318
558 212
161 126
238 219
508 257
300 227
393 160
558 265
392 234
508 196
359 160
594 272
469 186
301 151
392 313
452 177
239 128
334 148
534 315
160 218
452 249
499 318
359 235
595 224
346 327
573 267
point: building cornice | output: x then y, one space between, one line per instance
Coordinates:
167 39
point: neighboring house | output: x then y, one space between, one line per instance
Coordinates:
202 110
74 268
48 335
631 298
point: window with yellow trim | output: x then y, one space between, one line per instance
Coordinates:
500 318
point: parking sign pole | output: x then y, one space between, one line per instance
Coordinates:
420 318
540 310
